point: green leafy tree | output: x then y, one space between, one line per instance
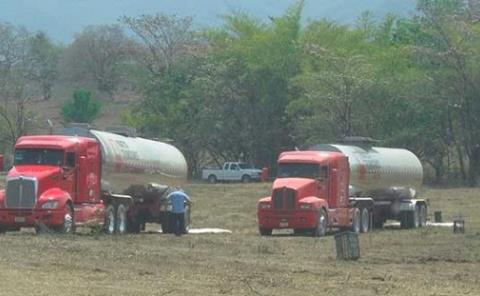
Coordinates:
43 63
82 108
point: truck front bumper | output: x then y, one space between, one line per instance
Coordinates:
295 220
29 218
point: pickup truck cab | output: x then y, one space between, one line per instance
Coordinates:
232 171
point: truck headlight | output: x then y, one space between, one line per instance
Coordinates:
51 204
305 206
265 206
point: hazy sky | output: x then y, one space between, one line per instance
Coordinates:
61 19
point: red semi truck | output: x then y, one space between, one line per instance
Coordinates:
119 182
353 187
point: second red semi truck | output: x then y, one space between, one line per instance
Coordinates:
354 187
90 178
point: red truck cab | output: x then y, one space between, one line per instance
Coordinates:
55 182
310 194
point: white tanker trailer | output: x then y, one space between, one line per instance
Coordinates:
391 177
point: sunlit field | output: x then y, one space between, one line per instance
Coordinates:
427 261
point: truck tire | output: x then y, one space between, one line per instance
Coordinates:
3 229
365 220
212 179
109 225
68 226
410 219
265 231
322 224
246 179
121 219
423 215
356 221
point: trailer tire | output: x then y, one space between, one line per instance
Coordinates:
121 219
422 215
356 221
166 227
2 229
365 220
109 225
212 179
265 231
416 217
322 224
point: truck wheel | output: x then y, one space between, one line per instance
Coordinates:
365 220
110 219
265 231
423 215
246 179
356 221
321 228
2 229
121 225
212 179
68 226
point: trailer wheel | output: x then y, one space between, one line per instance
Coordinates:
321 228
166 227
423 215
356 221
365 220
110 219
121 225
416 217
265 231
212 179
2 229
187 220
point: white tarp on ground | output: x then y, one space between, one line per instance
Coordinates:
443 224
208 230
205 230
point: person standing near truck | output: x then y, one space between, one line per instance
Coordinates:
178 199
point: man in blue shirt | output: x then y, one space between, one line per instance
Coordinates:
178 200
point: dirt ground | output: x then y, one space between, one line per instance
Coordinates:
428 261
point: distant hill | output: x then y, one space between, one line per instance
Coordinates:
61 19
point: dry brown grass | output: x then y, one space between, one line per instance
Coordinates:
430 261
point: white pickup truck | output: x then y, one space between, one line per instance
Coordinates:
232 171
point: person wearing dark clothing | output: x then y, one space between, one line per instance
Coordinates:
178 200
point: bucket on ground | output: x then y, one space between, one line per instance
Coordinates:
458 226
347 245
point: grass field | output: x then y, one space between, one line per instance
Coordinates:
428 261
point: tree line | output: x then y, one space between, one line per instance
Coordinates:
252 88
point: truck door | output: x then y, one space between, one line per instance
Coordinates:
234 172
89 174
70 175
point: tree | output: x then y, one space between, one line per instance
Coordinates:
43 61
81 109
96 56
16 89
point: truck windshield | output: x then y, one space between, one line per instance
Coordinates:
301 170
38 156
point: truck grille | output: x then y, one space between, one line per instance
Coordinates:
283 198
21 193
